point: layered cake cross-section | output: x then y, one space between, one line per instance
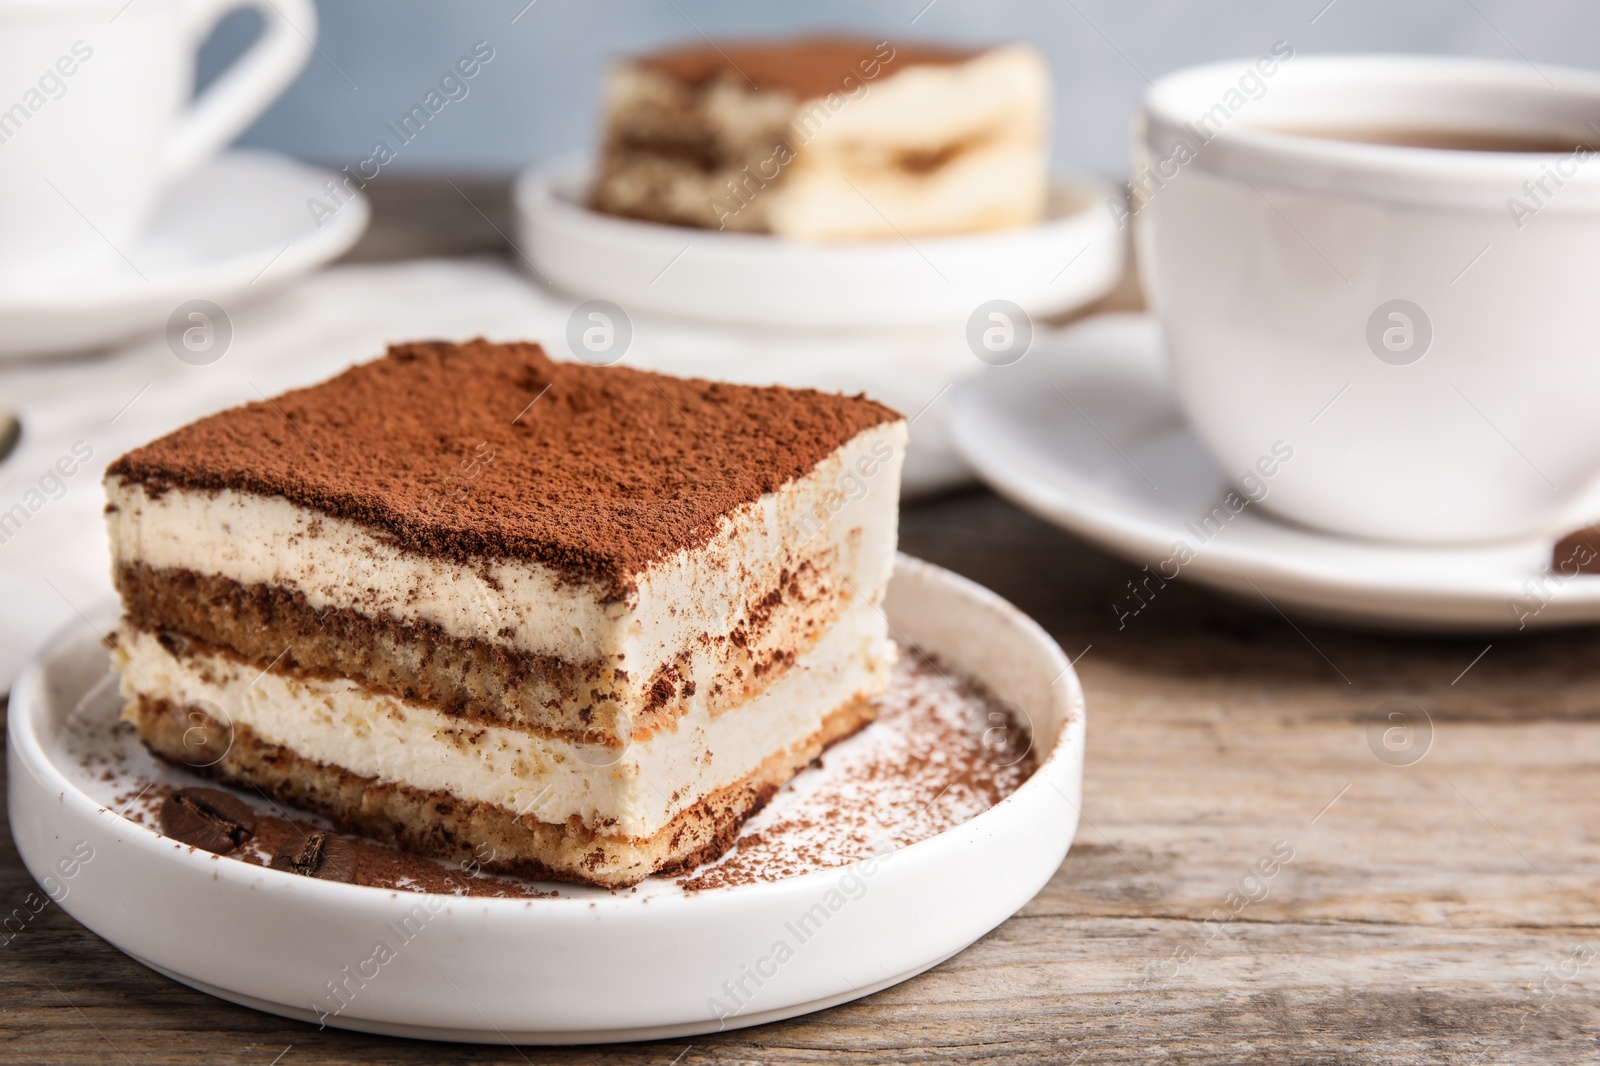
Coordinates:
568 621
828 138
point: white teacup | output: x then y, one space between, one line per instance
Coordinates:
96 117
1417 323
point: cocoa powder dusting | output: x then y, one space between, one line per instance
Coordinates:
482 451
804 67
941 751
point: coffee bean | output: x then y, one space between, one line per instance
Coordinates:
207 818
317 854
1578 552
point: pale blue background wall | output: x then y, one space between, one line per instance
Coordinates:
538 97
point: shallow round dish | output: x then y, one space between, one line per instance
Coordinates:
236 229
1069 260
592 965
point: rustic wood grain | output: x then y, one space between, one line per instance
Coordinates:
1430 913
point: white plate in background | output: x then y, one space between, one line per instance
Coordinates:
1086 433
1071 259
237 228
592 965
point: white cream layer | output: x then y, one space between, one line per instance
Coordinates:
992 111
842 517
633 791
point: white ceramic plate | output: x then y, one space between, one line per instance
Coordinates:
589 966
234 230
1086 432
1069 260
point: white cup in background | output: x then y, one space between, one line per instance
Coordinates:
1418 324
96 117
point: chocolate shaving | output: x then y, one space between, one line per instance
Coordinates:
317 854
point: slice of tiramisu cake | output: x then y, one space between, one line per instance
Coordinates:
827 138
570 621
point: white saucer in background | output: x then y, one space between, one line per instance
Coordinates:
1064 263
592 965
1086 433
237 228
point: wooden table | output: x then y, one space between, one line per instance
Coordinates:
1439 912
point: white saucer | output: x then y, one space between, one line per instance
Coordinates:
1064 263
235 229
590 966
1086 433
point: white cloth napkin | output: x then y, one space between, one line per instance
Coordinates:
55 566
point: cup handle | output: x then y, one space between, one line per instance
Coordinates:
248 87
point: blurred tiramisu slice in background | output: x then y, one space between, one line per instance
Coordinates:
828 139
